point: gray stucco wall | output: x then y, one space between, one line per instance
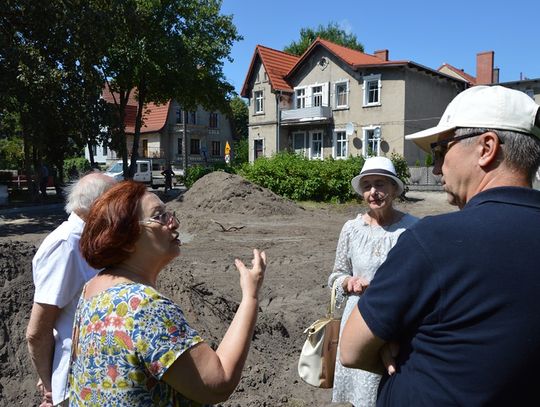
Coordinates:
426 98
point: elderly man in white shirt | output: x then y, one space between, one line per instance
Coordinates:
59 273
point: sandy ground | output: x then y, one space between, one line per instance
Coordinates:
222 217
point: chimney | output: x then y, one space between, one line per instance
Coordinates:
382 54
496 75
484 67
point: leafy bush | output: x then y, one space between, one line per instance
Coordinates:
241 151
81 164
428 160
402 170
295 177
198 171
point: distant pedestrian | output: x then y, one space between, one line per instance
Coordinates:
168 174
43 179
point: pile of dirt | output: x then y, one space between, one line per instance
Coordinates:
300 246
220 192
18 380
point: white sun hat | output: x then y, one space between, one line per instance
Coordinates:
377 166
491 107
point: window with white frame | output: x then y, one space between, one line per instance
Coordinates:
372 90
340 143
300 94
315 151
300 143
342 94
259 101
317 95
371 146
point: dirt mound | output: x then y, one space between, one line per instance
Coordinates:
220 192
18 382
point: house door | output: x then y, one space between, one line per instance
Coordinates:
258 147
300 143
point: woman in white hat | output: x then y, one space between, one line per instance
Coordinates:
363 245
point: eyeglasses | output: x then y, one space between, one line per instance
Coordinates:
440 148
164 218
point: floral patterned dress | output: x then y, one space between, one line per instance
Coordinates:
129 335
361 249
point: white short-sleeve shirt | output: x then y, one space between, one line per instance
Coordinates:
59 273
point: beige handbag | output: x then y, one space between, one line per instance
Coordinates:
318 357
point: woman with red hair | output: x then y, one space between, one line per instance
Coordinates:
132 346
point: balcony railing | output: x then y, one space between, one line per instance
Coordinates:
307 114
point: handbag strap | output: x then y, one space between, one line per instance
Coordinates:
332 305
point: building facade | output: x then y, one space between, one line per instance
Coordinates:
162 132
336 102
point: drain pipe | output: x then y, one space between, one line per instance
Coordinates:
278 119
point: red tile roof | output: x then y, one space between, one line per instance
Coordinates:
276 63
469 78
352 57
280 66
154 115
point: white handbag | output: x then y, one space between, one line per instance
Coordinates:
318 357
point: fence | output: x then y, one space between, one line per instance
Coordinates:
423 179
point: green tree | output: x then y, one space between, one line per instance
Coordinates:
57 56
239 118
163 50
49 76
332 32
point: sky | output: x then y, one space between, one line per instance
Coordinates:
427 32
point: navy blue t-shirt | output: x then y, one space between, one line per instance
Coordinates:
460 292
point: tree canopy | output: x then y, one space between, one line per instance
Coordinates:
57 56
332 32
239 118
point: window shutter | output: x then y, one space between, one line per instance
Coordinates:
308 96
325 101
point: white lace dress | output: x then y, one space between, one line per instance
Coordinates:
360 251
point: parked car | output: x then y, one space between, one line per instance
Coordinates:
148 172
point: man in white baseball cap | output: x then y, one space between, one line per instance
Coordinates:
460 326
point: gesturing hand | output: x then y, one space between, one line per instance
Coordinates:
251 279
357 285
